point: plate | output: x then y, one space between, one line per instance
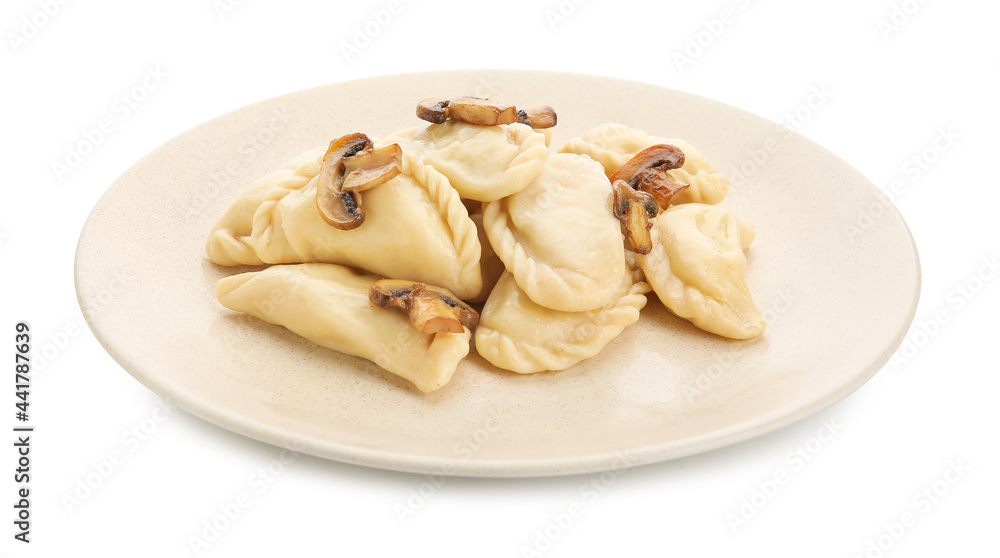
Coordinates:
839 293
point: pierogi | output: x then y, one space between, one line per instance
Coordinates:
483 213
230 243
558 237
483 163
416 227
328 304
697 269
517 334
612 145
491 264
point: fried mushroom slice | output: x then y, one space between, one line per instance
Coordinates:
483 112
351 165
634 208
369 169
431 309
340 209
538 117
642 188
647 171
433 110
471 110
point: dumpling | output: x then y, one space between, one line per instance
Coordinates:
547 132
697 268
612 145
228 243
328 304
514 333
483 163
491 265
558 237
415 227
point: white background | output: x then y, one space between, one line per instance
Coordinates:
877 94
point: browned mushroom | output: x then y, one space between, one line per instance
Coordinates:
430 309
538 117
434 110
350 166
338 208
648 171
483 112
634 208
368 169
642 188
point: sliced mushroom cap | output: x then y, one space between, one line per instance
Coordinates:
634 208
661 186
538 117
483 112
433 109
338 208
647 171
430 309
369 169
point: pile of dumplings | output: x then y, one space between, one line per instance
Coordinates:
488 214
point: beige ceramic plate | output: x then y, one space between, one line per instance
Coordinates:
839 300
